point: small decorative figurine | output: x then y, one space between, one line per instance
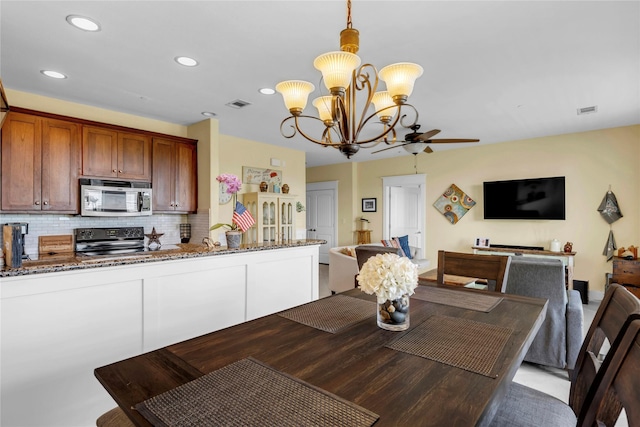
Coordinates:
264 186
568 247
285 188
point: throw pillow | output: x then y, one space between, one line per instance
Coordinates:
404 244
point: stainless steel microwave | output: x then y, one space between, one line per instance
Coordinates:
101 197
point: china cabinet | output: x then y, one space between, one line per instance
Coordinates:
275 217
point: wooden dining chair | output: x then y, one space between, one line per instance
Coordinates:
493 268
525 407
619 385
114 418
364 252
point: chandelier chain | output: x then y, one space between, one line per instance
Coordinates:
349 23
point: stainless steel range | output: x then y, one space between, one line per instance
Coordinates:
109 241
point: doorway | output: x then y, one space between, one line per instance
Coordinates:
403 211
322 215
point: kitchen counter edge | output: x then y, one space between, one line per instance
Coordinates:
184 251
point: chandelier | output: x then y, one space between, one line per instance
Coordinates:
344 77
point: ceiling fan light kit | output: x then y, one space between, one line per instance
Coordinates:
344 77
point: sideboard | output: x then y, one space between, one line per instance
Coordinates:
567 258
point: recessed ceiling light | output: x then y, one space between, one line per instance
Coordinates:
186 61
267 91
83 23
209 114
53 74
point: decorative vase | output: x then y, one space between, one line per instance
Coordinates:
264 187
234 238
394 315
285 188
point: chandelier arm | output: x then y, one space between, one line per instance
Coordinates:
386 129
341 117
296 129
415 120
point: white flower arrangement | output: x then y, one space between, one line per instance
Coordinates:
388 276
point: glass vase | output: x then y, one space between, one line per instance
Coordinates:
393 315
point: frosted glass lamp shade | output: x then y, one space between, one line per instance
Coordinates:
336 68
382 100
323 104
400 78
295 94
415 148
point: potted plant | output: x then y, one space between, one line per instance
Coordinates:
234 234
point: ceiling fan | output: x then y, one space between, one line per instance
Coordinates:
416 142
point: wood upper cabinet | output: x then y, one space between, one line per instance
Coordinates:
174 181
40 164
111 154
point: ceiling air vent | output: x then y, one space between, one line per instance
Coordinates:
588 110
238 103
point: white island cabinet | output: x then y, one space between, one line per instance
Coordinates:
58 327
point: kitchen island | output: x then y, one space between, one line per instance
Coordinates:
62 318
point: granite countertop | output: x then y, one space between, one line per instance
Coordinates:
62 262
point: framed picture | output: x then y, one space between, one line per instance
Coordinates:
482 242
369 205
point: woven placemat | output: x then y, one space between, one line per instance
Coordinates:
332 314
250 393
465 344
457 298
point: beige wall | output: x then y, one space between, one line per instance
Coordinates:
348 205
216 153
237 152
590 161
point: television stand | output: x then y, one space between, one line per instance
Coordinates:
567 258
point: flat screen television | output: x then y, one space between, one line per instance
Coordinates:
535 198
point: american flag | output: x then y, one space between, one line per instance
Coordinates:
242 217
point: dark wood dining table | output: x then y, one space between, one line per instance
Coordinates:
354 363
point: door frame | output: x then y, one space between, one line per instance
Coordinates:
400 181
327 185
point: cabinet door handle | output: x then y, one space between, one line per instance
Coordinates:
37 203
119 171
45 203
114 171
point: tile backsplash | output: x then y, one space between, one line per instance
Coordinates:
45 225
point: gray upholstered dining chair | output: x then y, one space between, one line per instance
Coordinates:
560 337
526 407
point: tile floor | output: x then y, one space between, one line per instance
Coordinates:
549 380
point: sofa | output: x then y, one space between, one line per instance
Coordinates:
343 266
560 336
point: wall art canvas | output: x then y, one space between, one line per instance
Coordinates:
454 204
257 175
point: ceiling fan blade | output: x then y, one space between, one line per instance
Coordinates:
428 150
389 148
427 135
448 141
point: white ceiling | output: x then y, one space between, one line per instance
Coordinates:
494 70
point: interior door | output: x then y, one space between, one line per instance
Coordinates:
403 211
321 218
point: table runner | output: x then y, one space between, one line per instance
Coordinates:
332 314
465 344
250 393
469 300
